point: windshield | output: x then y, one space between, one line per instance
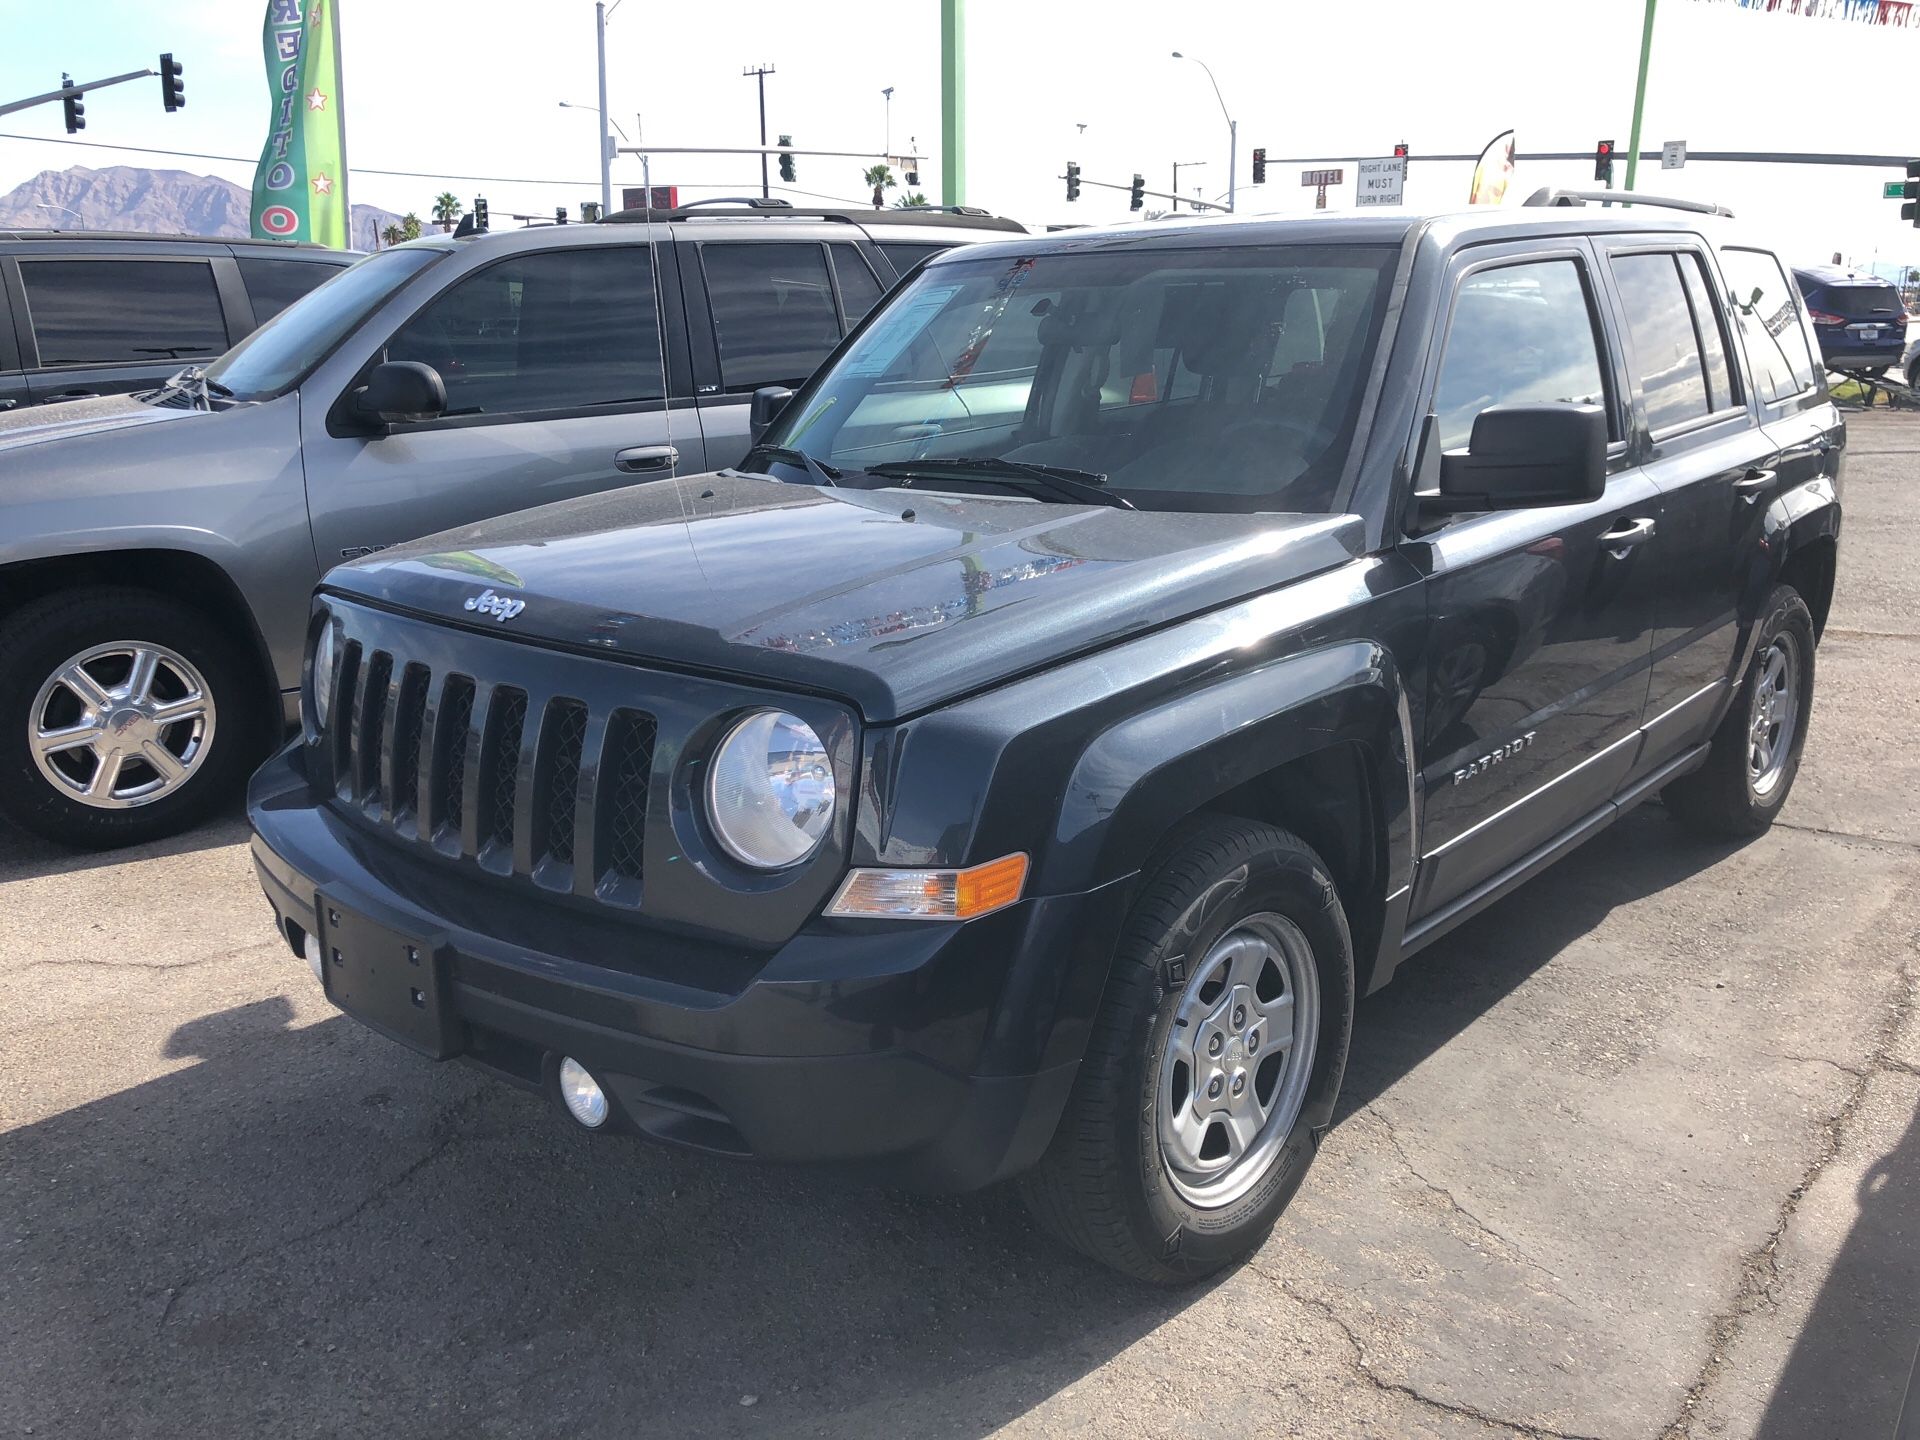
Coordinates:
1224 379
280 353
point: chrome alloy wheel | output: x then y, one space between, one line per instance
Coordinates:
1773 716
121 724
1237 1060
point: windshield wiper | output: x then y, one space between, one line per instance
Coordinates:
822 474
1080 485
191 382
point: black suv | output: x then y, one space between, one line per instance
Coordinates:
86 314
1124 652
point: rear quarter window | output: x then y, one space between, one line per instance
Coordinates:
1766 310
273 285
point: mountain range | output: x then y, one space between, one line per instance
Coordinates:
151 202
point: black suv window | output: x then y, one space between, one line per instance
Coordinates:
124 311
1764 307
773 312
1519 335
558 330
905 255
273 285
1666 350
859 290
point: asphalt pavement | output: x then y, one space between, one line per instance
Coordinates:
1635 1153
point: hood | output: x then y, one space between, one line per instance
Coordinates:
40 423
894 600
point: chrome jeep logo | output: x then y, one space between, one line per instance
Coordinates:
500 607
1488 761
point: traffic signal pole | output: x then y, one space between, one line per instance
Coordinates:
1640 95
953 103
65 90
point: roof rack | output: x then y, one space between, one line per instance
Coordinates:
736 207
1549 196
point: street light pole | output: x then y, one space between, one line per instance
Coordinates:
606 140
888 92
1233 126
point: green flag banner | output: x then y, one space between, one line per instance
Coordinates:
300 187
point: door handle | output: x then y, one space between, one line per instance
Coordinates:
640 458
1626 534
1752 483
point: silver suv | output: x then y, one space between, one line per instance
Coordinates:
157 552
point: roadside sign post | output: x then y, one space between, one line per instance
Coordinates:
1673 155
1318 181
1380 182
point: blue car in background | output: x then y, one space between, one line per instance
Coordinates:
1859 318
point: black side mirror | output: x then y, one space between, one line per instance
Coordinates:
401 390
1528 455
768 402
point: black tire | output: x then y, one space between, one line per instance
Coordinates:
1103 1185
40 637
1721 798
1913 374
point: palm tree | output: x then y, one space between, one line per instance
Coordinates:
881 179
447 209
912 200
410 226
393 235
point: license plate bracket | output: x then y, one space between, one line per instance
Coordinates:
390 981
1870 333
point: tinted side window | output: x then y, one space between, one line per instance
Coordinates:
103 311
273 285
859 290
1771 330
773 314
1710 320
1666 352
552 331
906 255
1519 335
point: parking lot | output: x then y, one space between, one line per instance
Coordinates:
1632 1154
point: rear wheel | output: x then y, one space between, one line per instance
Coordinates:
1215 1060
1755 753
124 716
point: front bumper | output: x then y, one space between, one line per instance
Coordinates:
937 1056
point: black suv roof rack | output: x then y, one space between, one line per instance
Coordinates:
724 207
1547 195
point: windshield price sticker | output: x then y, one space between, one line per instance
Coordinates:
896 328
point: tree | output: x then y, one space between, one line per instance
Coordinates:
447 209
912 200
1913 277
880 177
410 226
393 235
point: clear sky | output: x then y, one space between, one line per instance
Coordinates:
473 89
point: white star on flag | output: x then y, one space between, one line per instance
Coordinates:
323 185
315 100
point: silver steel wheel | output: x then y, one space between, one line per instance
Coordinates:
121 725
1774 714
1237 1060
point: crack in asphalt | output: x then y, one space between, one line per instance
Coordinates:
1519 1253
1846 634
1847 835
1364 1369
443 1120
106 964
1760 1267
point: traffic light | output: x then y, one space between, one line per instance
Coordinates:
1400 151
76 109
913 172
788 173
1260 166
589 211
1603 162
1910 211
1138 196
559 214
1073 180
173 94
480 212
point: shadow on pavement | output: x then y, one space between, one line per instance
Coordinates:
310 1228
1849 1365
28 857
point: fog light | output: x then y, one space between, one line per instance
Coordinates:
582 1095
310 948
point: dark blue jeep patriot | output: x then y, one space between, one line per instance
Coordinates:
1126 650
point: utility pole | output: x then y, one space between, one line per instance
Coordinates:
1640 95
606 140
760 73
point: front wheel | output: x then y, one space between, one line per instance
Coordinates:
125 716
1215 1060
1755 753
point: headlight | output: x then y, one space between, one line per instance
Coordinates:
321 669
770 790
